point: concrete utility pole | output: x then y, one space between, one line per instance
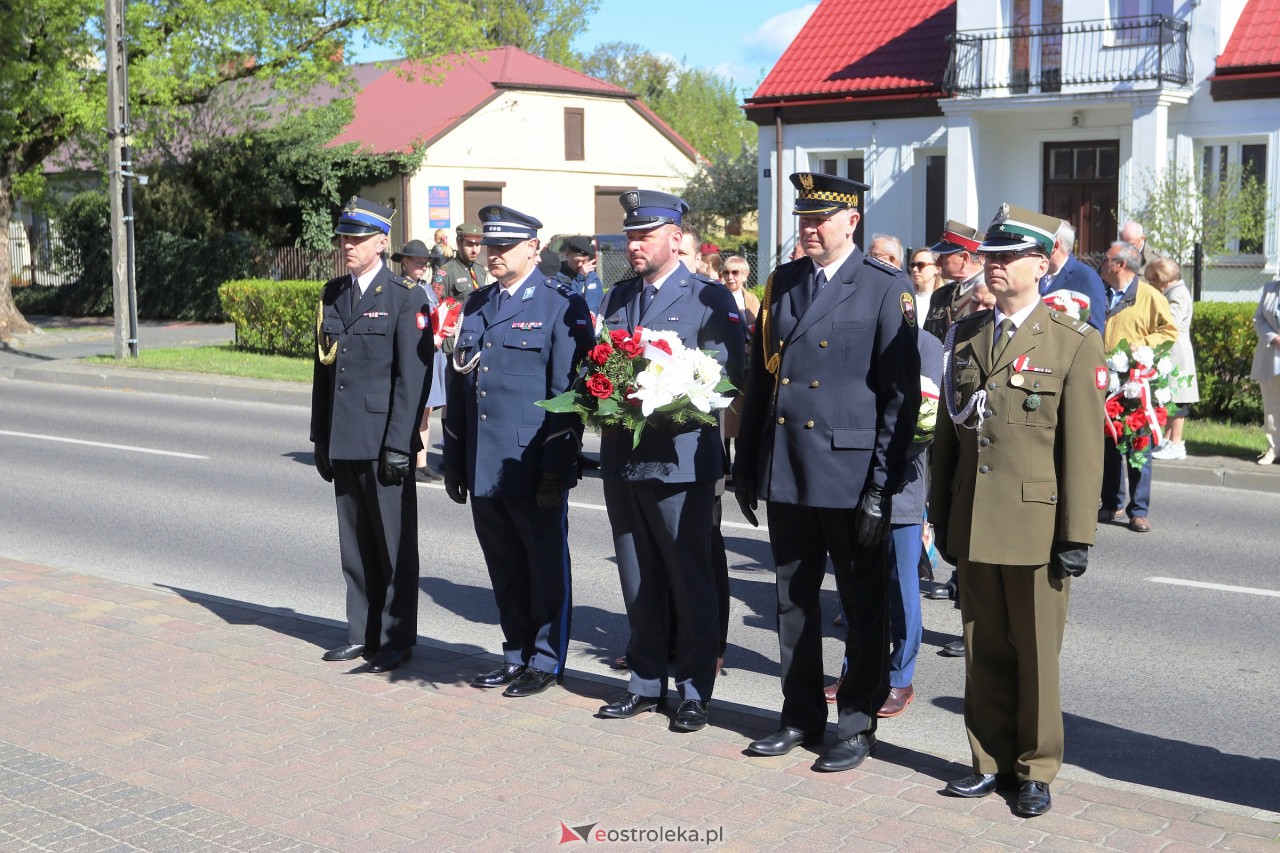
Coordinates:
119 189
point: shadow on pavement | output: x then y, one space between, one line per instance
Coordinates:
8 350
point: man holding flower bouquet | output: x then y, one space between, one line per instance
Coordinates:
660 478
1138 315
520 341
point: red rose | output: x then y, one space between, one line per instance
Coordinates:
618 336
598 385
1136 419
1140 442
600 353
1114 409
629 346
662 345
1162 415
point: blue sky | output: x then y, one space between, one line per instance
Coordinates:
739 39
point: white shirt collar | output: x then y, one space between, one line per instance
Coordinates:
364 280
832 268
511 291
1018 319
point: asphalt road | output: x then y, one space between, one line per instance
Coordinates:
1165 684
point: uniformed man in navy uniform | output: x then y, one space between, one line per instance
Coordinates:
372 374
659 494
578 270
831 405
520 341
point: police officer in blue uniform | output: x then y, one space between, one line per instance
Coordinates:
520 341
578 271
372 374
659 494
831 404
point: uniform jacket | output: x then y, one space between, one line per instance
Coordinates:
1141 317
588 286
1082 278
372 395
456 277
1266 322
842 410
705 317
527 351
949 303
1032 473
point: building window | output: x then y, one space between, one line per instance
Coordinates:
851 167
479 194
1233 177
574 145
1128 24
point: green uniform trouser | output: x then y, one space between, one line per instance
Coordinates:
1014 619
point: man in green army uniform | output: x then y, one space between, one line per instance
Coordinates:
461 274
1016 476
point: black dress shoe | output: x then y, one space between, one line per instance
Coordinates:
782 741
973 785
953 649
846 754
691 716
934 590
388 659
504 674
350 652
1033 799
529 682
629 705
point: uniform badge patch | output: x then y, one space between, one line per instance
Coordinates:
1101 378
908 303
733 318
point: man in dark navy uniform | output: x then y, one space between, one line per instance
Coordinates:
831 407
372 375
660 493
520 341
579 271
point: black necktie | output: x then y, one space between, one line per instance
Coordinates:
1004 332
650 293
819 282
355 293
502 298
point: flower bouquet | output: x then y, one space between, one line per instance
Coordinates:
445 316
1069 302
628 379
1141 385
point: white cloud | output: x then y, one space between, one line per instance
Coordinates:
771 38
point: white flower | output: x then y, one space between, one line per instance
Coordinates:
1133 390
1163 395
1144 356
1113 384
1119 361
1164 366
657 386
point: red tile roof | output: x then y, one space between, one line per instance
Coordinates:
864 48
393 113
1256 39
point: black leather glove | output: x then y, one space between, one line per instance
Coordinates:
323 465
744 489
1068 560
550 492
394 467
455 485
940 542
871 519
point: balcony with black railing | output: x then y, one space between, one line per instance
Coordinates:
1073 58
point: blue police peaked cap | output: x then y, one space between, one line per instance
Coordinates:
647 209
362 217
503 225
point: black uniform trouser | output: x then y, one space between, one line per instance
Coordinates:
527 551
801 537
378 539
662 536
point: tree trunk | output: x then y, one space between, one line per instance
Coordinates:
11 320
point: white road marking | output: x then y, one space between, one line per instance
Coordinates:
1249 590
101 444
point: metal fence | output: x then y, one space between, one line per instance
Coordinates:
39 256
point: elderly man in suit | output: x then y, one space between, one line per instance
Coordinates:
1073 279
831 404
660 493
520 341
1016 471
372 376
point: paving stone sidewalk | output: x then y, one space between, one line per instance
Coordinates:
157 720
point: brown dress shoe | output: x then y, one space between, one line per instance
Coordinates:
1139 524
831 690
899 699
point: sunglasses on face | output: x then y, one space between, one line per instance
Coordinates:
1003 258
919 265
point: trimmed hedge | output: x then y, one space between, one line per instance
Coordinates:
1223 338
273 317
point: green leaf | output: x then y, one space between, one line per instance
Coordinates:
607 407
635 435
566 402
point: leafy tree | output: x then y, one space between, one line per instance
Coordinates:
53 83
724 187
699 104
1180 209
542 27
